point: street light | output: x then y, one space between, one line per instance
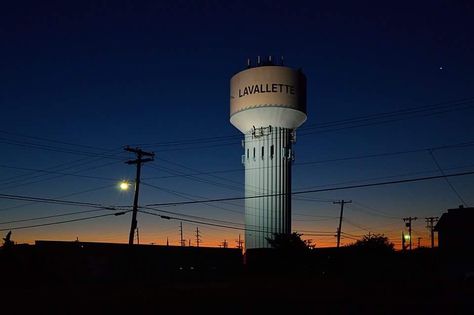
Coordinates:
124 185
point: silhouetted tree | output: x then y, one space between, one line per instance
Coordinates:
374 242
7 242
291 253
289 242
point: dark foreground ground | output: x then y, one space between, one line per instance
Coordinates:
77 281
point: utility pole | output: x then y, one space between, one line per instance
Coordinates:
239 243
224 244
430 221
198 237
419 242
408 225
138 237
138 161
182 241
404 247
342 202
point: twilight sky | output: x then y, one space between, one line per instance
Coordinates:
79 80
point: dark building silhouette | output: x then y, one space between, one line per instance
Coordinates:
82 263
456 230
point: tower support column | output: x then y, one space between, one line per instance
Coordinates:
267 158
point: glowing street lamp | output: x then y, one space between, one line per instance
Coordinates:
124 185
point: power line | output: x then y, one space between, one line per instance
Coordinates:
341 159
58 197
202 222
56 201
194 178
57 215
383 177
313 220
109 153
186 196
194 217
46 147
217 184
50 140
436 108
55 172
350 222
447 180
192 221
408 180
63 222
21 182
372 211
48 200
69 202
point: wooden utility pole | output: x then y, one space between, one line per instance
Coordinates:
239 243
138 161
404 247
198 237
430 221
182 241
408 225
342 202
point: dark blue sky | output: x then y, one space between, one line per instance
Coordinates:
109 73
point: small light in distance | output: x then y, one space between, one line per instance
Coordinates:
407 237
124 185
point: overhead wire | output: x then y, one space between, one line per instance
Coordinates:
57 215
57 149
167 217
455 191
56 172
341 159
363 121
63 222
58 197
54 201
406 180
385 183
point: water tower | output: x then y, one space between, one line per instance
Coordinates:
267 104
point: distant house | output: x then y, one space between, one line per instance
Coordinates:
456 229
